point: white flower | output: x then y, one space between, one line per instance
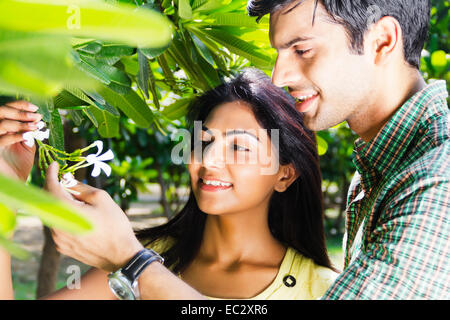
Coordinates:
97 160
37 134
68 181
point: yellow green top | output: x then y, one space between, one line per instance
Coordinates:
298 278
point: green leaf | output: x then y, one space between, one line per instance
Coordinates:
37 64
142 76
209 6
184 9
155 93
7 220
239 46
131 105
236 19
56 138
31 200
116 79
106 107
322 145
108 125
45 108
91 117
202 49
65 100
153 53
439 60
131 65
92 47
90 66
114 50
93 19
77 116
94 95
177 109
15 250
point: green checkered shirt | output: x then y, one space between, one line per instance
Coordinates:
397 222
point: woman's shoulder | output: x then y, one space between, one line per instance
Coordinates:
314 278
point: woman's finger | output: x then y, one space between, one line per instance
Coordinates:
9 139
11 113
22 105
13 126
53 186
88 194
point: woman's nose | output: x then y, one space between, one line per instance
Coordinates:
214 155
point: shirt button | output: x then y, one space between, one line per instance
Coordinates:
289 281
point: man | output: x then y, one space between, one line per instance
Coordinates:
358 61
348 61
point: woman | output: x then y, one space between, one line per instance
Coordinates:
248 230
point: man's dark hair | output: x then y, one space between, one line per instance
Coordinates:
356 15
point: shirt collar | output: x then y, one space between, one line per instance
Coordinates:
383 153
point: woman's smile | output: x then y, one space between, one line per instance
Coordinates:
214 185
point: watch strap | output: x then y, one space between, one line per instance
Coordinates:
133 269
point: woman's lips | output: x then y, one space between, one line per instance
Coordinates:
209 187
305 105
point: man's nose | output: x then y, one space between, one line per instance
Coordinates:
286 72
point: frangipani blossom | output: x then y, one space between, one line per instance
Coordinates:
68 181
37 134
97 160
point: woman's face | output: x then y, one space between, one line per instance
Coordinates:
232 176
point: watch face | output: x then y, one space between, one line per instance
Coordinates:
120 289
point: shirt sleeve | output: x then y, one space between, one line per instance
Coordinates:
407 255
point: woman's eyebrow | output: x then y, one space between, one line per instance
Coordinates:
231 132
234 132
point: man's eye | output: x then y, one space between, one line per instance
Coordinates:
302 52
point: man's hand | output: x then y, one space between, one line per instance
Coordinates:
16 118
111 244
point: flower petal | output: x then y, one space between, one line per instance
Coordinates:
106 168
42 135
96 171
99 145
40 125
91 158
108 155
29 138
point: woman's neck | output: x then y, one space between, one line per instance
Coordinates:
239 237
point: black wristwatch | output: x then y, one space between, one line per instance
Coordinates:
123 283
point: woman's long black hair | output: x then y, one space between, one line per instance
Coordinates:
296 215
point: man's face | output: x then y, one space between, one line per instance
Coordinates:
316 64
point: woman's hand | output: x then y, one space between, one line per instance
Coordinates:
111 244
16 158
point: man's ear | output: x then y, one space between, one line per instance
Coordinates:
286 176
386 39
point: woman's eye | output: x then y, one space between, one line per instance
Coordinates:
205 143
239 148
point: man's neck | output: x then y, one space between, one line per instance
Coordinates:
367 124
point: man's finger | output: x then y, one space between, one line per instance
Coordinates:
23 105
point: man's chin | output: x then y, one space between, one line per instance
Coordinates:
317 123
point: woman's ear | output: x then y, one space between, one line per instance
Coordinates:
286 176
